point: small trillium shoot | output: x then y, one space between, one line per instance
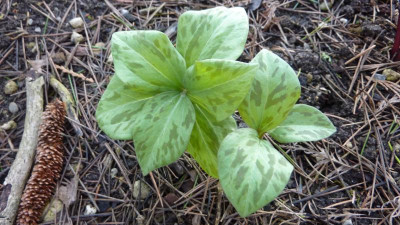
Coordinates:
159 93
252 172
168 100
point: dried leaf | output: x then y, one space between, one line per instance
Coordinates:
38 64
52 210
67 193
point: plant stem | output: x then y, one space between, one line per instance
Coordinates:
395 52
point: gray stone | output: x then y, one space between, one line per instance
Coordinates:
371 30
379 76
391 75
127 15
11 87
325 5
9 125
348 222
13 107
30 21
140 190
113 172
98 47
38 30
76 22
76 37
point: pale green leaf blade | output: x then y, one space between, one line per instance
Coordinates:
217 33
206 138
162 132
219 86
147 58
304 123
252 173
118 107
274 92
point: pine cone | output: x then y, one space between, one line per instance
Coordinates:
48 165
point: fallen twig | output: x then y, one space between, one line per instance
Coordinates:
69 101
79 75
10 194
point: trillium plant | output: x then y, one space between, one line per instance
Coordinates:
168 100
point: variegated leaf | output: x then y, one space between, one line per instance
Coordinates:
304 123
206 138
118 107
252 173
219 86
274 92
147 60
217 33
161 133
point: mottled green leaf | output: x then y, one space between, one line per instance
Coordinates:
206 138
118 107
219 86
304 123
274 91
217 33
146 59
161 133
252 173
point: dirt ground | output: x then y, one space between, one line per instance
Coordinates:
342 54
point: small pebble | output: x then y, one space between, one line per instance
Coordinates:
38 30
90 210
11 87
396 147
177 168
193 175
98 47
113 172
309 77
344 20
9 125
76 22
371 29
379 76
325 5
110 59
140 190
127 15
391 75
52 210
31 45
76 37
13 107
348 222
187 186
59 57
171 198
30 21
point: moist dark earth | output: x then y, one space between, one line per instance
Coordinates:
353 177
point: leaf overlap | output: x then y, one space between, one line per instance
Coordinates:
156 88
